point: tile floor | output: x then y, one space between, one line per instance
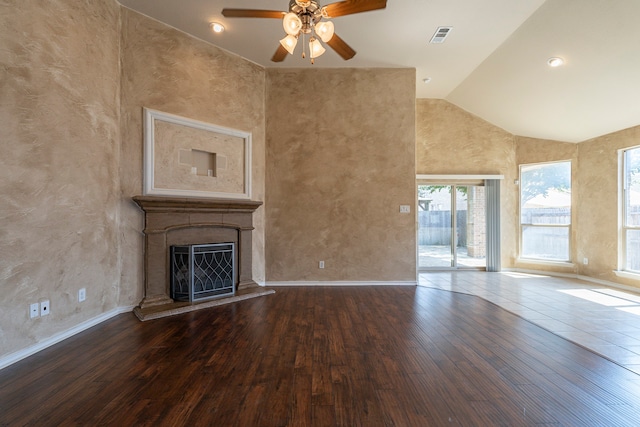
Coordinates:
603 320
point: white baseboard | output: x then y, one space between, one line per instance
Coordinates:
340 283
33 349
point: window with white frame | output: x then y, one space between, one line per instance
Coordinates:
631 210
545 211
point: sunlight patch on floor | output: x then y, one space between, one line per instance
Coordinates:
598 297
633 310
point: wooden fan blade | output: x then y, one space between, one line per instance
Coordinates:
349 7
252 13
280 54
341 47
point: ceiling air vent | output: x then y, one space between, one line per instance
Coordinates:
440 34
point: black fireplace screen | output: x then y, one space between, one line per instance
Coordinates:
202 271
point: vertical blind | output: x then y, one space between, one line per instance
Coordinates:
492 191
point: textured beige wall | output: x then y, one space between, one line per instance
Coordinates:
532 150
597 203
59 109
340 161
166 70
450 140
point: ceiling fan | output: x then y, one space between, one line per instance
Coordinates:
307 17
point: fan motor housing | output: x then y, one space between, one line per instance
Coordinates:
309 9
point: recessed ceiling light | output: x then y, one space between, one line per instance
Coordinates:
216 27
426 79
555 62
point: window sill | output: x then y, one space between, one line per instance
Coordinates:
563 264
627 274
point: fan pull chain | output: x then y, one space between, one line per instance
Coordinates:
303 47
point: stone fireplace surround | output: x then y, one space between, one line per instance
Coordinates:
185 221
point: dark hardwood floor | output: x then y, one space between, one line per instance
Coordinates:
360 356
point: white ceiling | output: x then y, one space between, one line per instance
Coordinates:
492 64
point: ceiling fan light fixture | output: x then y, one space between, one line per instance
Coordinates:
306 17
291 24
315 48
289 43
324 30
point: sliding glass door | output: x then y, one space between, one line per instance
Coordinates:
451 226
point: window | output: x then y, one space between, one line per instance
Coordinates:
545 211
631 210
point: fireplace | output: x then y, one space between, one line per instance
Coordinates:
178 222
202 272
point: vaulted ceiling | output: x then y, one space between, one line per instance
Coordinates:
493 63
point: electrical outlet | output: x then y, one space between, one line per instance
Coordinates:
405 208
585 261
34 310
321 264
82 294
44 308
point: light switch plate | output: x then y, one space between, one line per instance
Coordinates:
34 310
405 209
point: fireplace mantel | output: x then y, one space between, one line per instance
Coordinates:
180 220
188 205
